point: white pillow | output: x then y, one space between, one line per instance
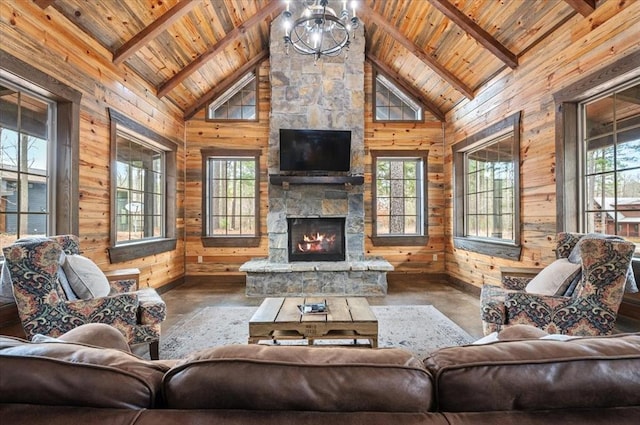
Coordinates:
553 279
85 278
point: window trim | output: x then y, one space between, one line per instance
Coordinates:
404 93
379 240
229 241
147 247
497 248
235 90
67 145
567 144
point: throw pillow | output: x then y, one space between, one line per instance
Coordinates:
553 279
85 278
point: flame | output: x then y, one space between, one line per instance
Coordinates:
316 243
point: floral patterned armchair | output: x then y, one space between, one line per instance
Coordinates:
590 310
44 307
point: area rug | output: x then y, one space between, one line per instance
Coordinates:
418 329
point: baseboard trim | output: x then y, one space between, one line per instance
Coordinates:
212 279
464 286
171 285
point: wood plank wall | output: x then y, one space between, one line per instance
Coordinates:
47 41
580 46
224 262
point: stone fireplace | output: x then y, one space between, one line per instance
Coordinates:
327 94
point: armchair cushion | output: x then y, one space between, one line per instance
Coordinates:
554 279
85 278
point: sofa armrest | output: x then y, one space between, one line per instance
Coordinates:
123 280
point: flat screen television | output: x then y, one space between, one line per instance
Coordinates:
315 151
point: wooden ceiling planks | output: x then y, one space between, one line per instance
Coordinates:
416 40
477 32
152 31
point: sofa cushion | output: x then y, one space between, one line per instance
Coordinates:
554 279
85 277
538 374
67 374
332 379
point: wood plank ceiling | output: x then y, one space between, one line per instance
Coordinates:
442 51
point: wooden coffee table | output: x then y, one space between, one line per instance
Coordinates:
347 318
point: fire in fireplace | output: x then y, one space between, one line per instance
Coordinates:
316 239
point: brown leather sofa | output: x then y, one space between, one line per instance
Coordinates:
593 380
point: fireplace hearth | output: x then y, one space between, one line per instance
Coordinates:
316 239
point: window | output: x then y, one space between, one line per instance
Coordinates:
598 151
610 160
139 189
400 197
238 103
26 162
392 104
143 191
489 203
231 197
39 134
486 168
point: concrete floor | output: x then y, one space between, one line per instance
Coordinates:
461 307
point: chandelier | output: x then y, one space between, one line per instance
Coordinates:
319 31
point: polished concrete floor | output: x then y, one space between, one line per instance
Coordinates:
461 307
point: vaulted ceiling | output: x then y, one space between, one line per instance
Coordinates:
442 51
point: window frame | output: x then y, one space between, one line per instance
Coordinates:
374 102
23 128
567 100
409 240
582 182
231 91
65 178
487 246
146 247
229 241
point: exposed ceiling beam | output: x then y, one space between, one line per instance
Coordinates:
416 50
228 82
43 4
390 73
583 7
473 29
152 31
274 6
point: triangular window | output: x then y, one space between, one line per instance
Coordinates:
238 103
393 104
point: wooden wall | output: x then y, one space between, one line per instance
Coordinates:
224 262
48 42
580 46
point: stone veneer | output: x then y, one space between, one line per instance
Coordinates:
323 95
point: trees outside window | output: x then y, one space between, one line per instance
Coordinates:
399 197
231 197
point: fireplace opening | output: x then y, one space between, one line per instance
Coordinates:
316 239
